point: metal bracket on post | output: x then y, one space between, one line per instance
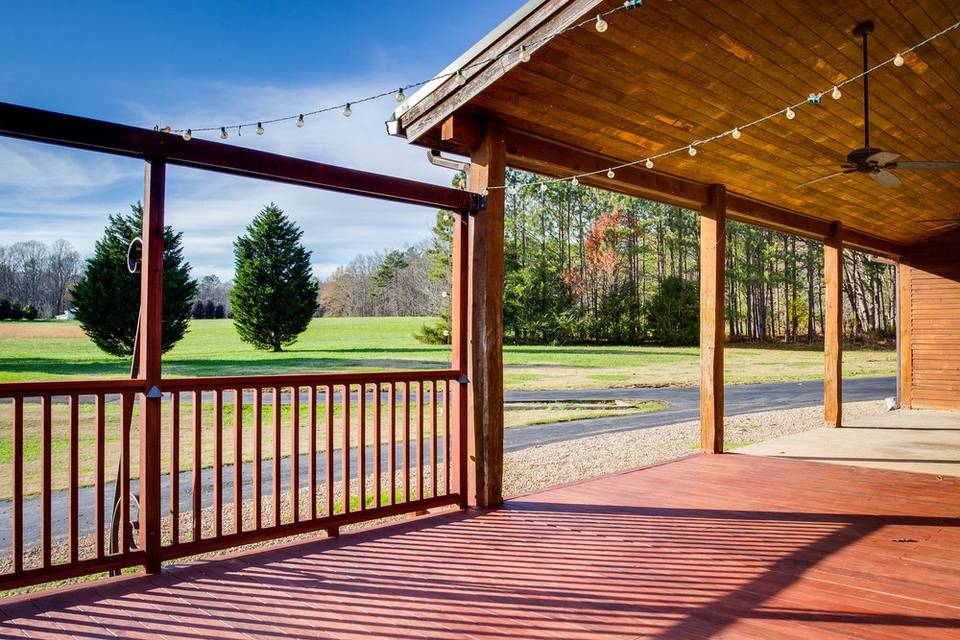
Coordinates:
478 203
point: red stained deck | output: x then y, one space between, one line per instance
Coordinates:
705 547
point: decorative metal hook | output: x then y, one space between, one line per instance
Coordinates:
133 265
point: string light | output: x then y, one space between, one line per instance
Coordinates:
692 150
898 60
187 135
610 174
574 182
223 133
601 24
543 187
735 134
347 111
259 129
648 164
300 122
399 96
790 113
835 94
461 79
524 54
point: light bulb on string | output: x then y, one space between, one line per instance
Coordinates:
648 164
543 187
347 111
610 173
524 54
223 133
399 96
259 129
461 79
300 122
601 24
835 94
735 134
692 150
898 60
188 135
790 113
574 181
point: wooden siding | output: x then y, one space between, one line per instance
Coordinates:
934 341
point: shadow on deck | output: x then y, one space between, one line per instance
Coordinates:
738 546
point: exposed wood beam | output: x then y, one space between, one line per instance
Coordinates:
712 267
485 303
533 153
833 328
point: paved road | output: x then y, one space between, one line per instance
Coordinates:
682 406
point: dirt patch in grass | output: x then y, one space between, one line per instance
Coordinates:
40 330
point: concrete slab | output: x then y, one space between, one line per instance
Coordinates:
904 440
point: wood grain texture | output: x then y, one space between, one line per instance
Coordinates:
674 73
833 329
712 269
485 302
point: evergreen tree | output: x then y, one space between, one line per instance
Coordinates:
197 311
274 295
209 310
673 313
107 297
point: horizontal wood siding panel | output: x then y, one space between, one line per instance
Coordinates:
935 323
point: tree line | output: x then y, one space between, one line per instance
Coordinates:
35 278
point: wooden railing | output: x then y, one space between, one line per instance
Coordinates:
205 468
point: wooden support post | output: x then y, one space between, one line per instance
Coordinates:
833 328
712 265
460 328
485 303
904 335
151 342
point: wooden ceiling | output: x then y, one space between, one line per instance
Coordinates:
678 71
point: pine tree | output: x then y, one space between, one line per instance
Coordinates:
107 297
274 295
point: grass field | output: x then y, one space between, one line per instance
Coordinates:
60 350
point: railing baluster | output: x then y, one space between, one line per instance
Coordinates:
257 458
377 447
446 437
74 511
126 419
406 442
218 463
175 467
46 471
17 521
99 488
421 454
197 496
238 460
362 449
313 452
433 437
277 403
329 447
345 452
295 453
392 453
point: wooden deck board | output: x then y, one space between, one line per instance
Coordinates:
705 547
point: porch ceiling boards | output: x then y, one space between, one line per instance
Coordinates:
708 546
673 72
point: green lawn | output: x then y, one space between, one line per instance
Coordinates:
59 350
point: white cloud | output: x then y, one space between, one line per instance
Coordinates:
50 193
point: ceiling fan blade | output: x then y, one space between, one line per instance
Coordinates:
885 178
826 177
945 226
925 165
883 157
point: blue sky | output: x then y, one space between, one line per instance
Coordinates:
211 63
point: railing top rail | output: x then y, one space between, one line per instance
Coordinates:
89 387
27 123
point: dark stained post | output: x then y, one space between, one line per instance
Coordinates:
485 299
833 328
151 343
713 222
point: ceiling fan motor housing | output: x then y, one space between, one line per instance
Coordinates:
859 157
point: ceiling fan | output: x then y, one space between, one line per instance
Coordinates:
876 163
